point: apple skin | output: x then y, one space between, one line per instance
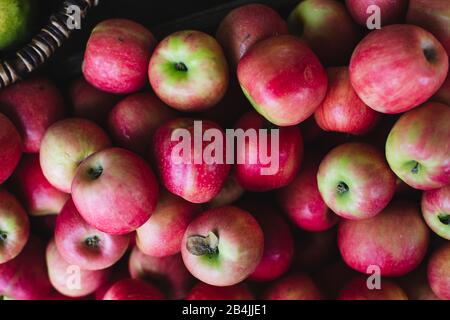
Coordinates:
134 120
443 94
357 289
38 196
327 28
115 191
283 80
396 240
32 105
418 146
416 285
59 275
188 71
436 210
65 145
433 16
117 56
231 191
240 246
295 286
83 245
203 291
168 273
11 146
342 110
197 183
247 25
414 66
133 289
355 181
391 11
290 154
14 227
439 272
163 233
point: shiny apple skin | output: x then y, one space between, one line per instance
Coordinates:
357 289
296 286
436 210
439 272
391 11
133 289
11 146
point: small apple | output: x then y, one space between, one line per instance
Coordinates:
391 11
436 210
65 145
117 56
133 289
203 291
115 191
439 272
443 95
188 71
283 79
296 286
397 68
418 147
11 146
231 191
223 246
357 289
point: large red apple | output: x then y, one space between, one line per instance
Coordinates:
11 146
133 289
439 272
162 234
390 11
83 245
283 79
65 145
296 286
357 289
436 210
397 68
203 291
32 105
396 240
223 246
117 56
115 191
247 25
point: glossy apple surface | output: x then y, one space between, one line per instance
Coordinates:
391 11
11 146
357 289
439 272
133 289
296 286
436 210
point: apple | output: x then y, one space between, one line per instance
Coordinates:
391 11
83 245
38 196
115 191
134 120
342 110
223 246
395 240
247 25
357 289
231 191
32 105
117 56
283 79
296 286
327 28
443 94
203 291
432 15
439 272
118 272
133 289
436 210
416 285
11 146
188 71
65 145
168 273
418 146
69 279
355 181
193 180
397 68
14 227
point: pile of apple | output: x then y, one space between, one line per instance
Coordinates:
92 205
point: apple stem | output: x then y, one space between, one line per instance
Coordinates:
415 169
180 66
200 245
95 173
342 187
445 219
3 236
92 242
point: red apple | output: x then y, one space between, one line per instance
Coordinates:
38 196
162 234
83 245
188 71
439 272
391 11
230 192
32 105
133 289
134 120
223 246
296 286
247 25
65 145
115 191
416 285
11 146
357 289
396 240
397 68
180 171
117 56
443 95
436 210
203 291
168 273
283 79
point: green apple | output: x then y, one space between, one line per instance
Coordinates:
16 19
